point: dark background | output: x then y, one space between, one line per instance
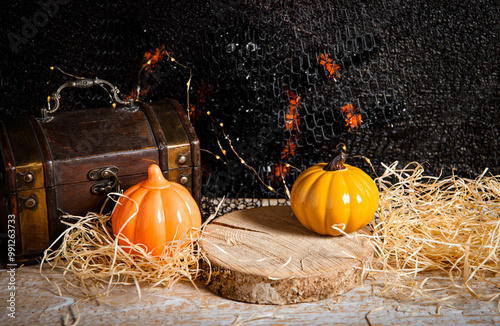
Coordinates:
422 75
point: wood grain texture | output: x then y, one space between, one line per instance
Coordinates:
264 255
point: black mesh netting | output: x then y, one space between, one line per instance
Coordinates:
289 80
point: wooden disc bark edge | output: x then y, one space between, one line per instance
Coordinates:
263 290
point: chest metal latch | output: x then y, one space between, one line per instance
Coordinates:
109 175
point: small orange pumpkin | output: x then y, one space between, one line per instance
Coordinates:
156 212
331 195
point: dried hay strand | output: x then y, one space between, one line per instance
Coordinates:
447 225
93 262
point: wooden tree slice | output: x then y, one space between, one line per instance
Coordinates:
264 255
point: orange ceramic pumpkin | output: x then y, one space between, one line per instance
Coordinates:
334 195
156 212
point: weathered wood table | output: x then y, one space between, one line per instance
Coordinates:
37 302
28 298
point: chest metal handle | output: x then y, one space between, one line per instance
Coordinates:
85 83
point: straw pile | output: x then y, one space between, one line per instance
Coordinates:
446 225
92 261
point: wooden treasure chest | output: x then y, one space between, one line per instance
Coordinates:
67 163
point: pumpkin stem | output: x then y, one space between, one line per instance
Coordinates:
336 163
155 179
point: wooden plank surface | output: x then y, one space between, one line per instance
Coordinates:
264 255
38 302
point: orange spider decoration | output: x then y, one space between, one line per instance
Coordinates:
352 119
292 123
333 69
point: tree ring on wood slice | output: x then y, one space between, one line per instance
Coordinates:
264 255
